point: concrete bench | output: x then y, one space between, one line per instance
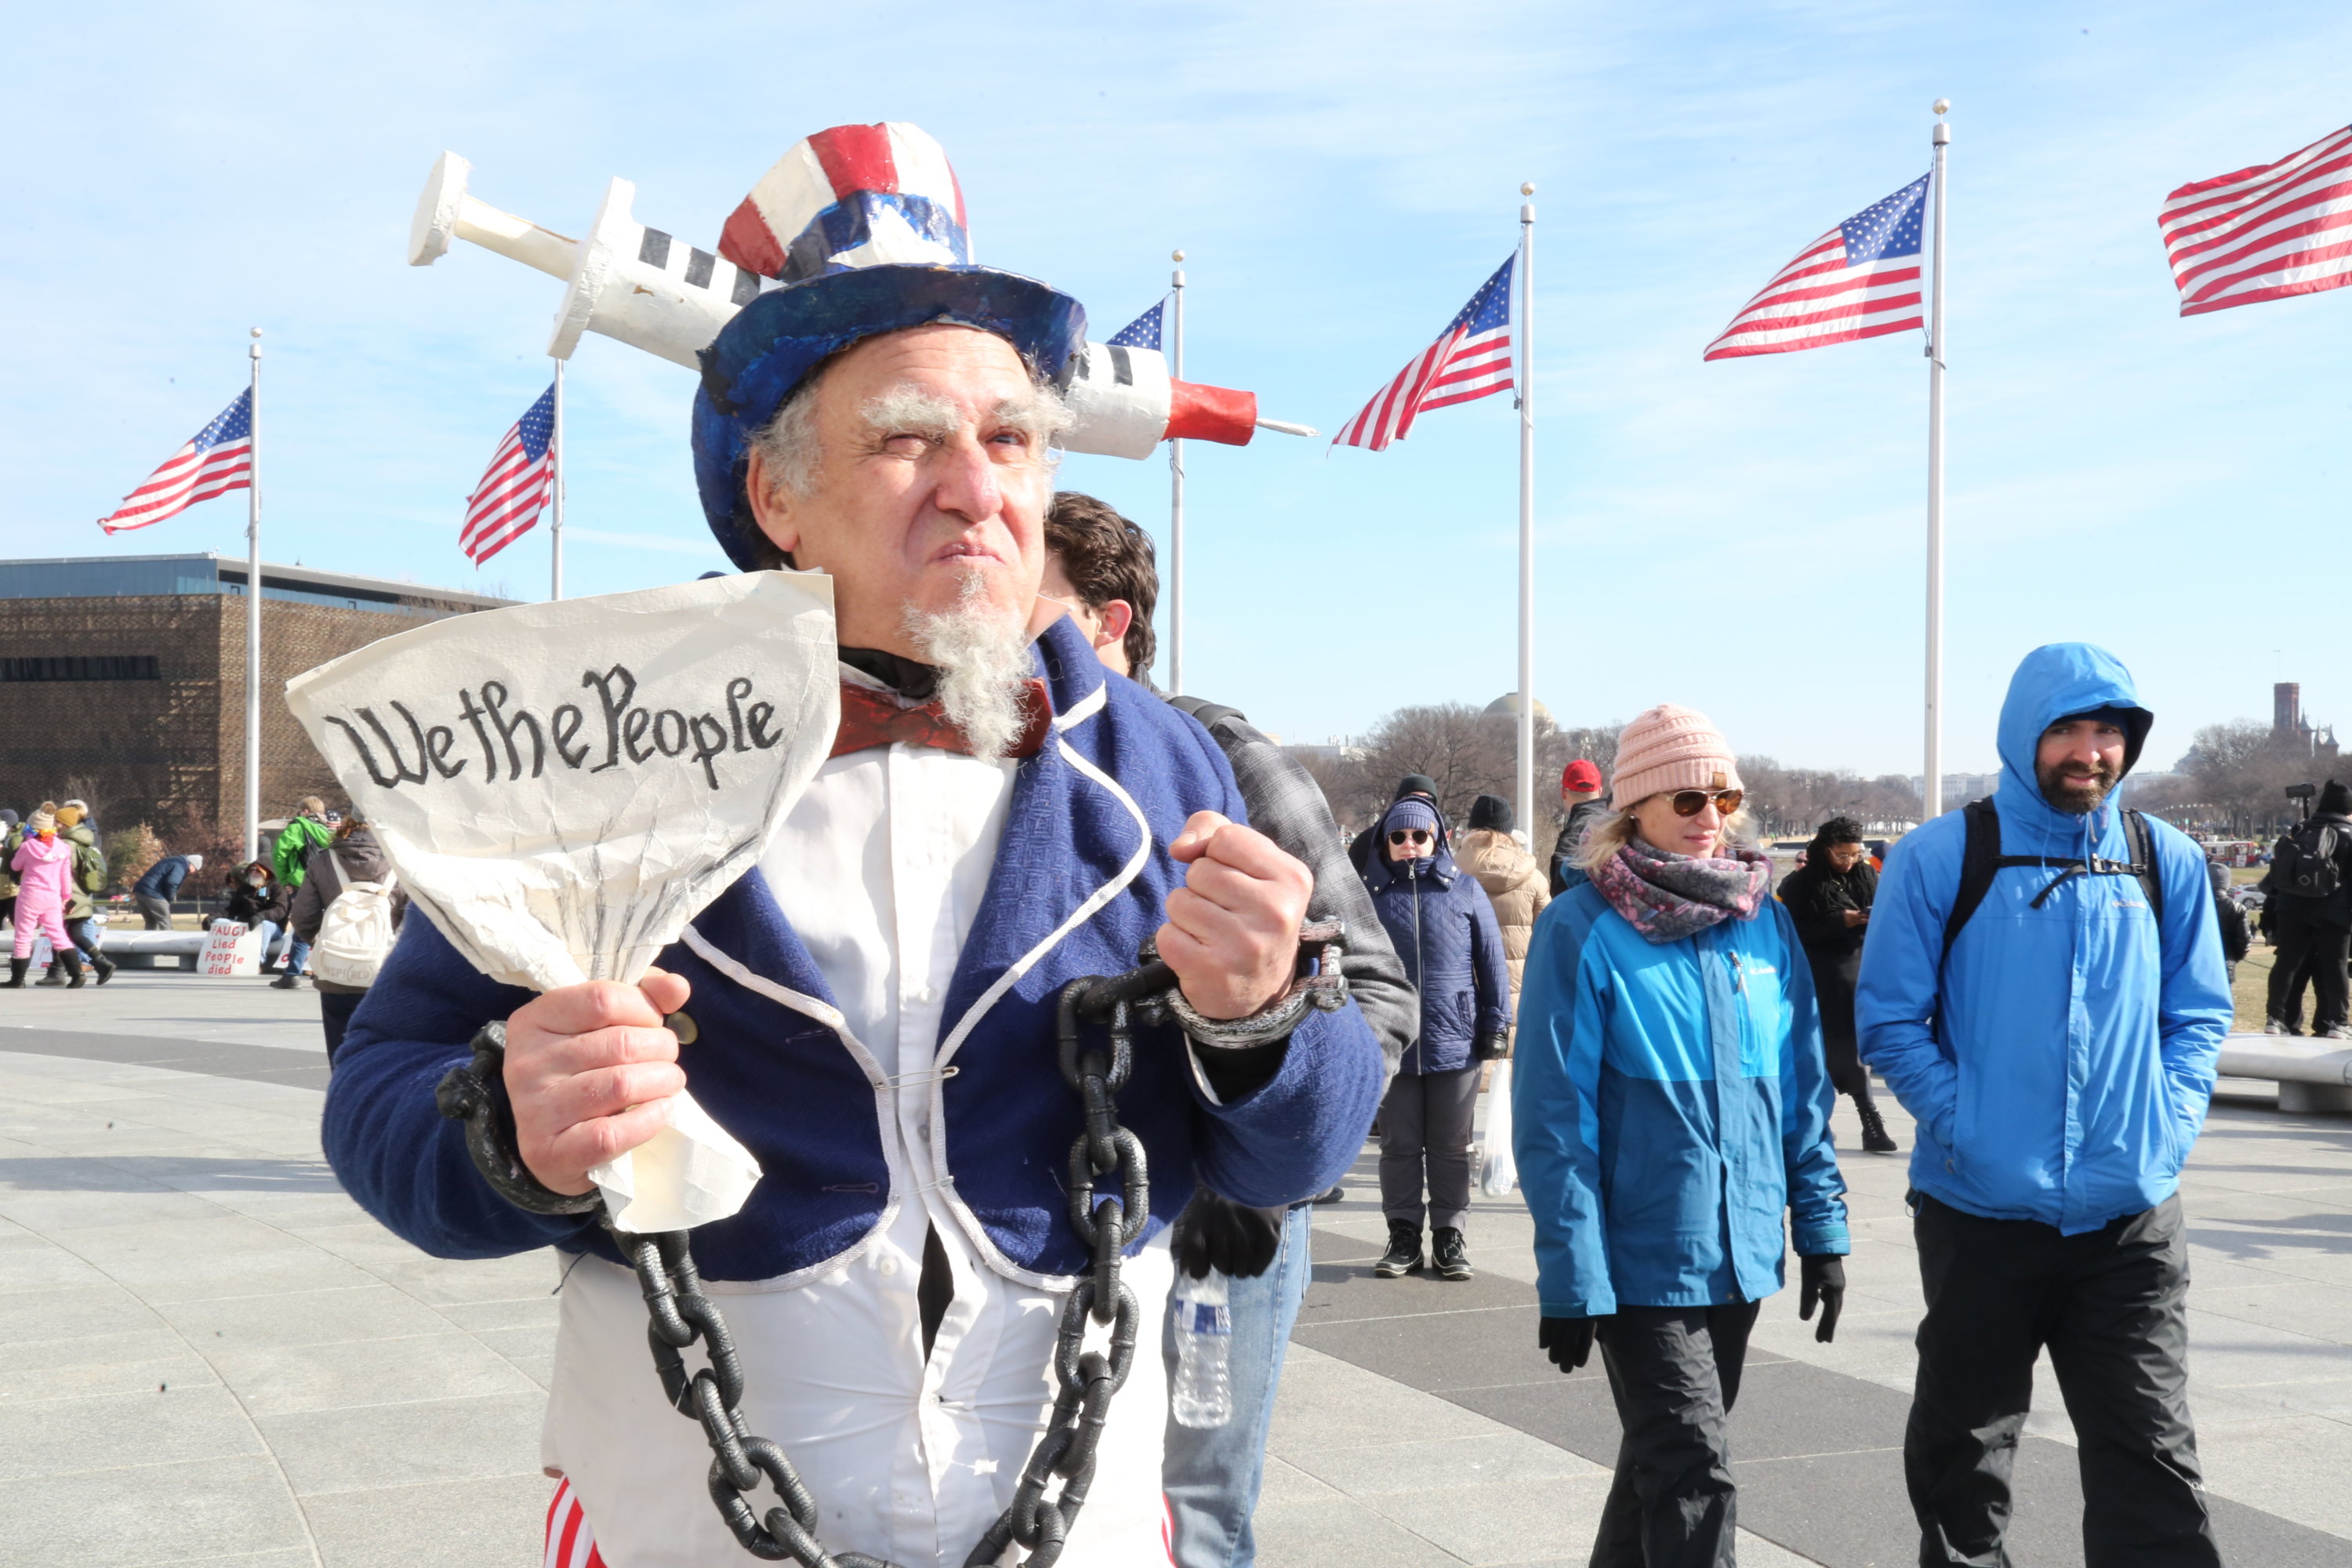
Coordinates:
2311 1075
154 948
182 950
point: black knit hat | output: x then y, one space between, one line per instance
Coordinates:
2334 799
1490 811
1415 783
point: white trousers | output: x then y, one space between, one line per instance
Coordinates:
909 1459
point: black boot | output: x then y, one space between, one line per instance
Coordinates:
1875 1139
17 968
1403 1255
71 958
104 965
1446 1251
56 974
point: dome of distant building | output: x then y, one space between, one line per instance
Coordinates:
1509 702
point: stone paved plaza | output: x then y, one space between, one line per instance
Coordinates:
208 1354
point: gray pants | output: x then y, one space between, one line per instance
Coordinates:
1426 1122
2111 1306
157 913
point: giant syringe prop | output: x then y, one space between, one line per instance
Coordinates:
646 289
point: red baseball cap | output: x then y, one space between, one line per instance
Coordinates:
1579 776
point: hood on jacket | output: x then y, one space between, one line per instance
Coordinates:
2053 682
1379 872
361 856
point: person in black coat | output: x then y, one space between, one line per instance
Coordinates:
1830 897
257 901
2312 931
2235 938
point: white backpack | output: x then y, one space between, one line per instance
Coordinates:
355 936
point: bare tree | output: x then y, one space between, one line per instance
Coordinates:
1463 752
2237 777
1787 803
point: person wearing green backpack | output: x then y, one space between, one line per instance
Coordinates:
289 858
88 876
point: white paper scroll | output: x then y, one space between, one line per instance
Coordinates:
563 786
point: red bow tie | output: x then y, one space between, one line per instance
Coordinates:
871 718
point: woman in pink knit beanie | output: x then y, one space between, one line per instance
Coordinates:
1670 1113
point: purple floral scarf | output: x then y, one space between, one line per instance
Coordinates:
1668 897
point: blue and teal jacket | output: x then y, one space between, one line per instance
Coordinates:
1669 1102
2059 1065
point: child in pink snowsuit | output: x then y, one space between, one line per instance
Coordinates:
42 865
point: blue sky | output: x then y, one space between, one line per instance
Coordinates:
1742 537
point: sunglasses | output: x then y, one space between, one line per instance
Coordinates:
1410 835
1691 802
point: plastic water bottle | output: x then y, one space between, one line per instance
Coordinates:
1203 1393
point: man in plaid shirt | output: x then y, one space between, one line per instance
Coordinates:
1100 573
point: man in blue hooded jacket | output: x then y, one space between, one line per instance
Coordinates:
2057 1046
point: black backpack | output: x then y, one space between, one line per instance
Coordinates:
2305 862
1981 859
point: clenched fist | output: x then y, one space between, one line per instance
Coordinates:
1232 935
588 1071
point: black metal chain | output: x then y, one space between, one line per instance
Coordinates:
1105 1154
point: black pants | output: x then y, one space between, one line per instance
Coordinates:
2111 1305
1674 1373
335 1010
2323 949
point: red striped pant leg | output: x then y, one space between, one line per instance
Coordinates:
571 1543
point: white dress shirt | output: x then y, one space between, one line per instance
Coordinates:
881 868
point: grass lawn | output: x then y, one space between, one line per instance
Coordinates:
2251 992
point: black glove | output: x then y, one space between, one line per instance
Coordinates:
1822 1281
1490 1048
1217 1233
1567 1340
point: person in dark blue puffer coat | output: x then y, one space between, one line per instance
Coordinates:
1444 928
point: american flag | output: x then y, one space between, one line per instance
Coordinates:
515 486
1143 333
1470 359
2263 232
1859 280
218 460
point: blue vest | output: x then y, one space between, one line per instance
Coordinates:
1079 881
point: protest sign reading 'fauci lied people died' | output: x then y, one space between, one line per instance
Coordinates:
563 786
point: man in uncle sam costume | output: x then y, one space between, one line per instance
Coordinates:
873 1008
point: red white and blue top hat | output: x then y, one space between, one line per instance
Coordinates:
863 227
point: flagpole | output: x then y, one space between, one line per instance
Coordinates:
1526 346
555 525
1931 794
1176 492
253 613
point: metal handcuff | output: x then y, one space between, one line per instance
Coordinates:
680 1313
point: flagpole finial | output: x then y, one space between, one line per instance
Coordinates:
1526 187
1942 106
256 331
1175 255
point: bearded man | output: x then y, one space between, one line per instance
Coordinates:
872 1008
2042 986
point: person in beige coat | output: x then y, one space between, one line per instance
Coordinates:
1515 883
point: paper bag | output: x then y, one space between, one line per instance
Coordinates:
560 787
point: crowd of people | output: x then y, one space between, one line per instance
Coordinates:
873 1012
56 871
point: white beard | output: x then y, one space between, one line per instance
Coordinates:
983 657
